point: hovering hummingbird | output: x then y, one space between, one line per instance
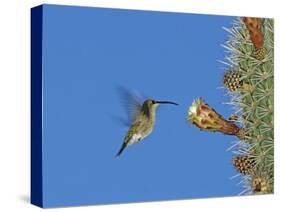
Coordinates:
142 120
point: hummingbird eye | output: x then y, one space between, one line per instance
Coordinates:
153 102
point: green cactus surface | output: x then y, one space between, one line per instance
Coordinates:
254 106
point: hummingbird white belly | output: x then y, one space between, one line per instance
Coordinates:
135 139
139 137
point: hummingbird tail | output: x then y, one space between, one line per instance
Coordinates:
121 149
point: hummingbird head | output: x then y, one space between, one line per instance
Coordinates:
151 103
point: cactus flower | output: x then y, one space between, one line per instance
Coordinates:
254 27
206 118
261 185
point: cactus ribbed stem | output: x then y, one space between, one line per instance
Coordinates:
250 52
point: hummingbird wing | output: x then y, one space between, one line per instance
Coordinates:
132 102
145 110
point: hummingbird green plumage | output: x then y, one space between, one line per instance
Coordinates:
142 122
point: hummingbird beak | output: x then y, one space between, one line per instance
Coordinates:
166 102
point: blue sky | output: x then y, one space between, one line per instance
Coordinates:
165 56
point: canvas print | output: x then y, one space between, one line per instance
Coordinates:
133 106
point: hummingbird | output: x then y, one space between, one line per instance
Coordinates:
142 120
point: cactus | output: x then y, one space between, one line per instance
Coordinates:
250 54
249 81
